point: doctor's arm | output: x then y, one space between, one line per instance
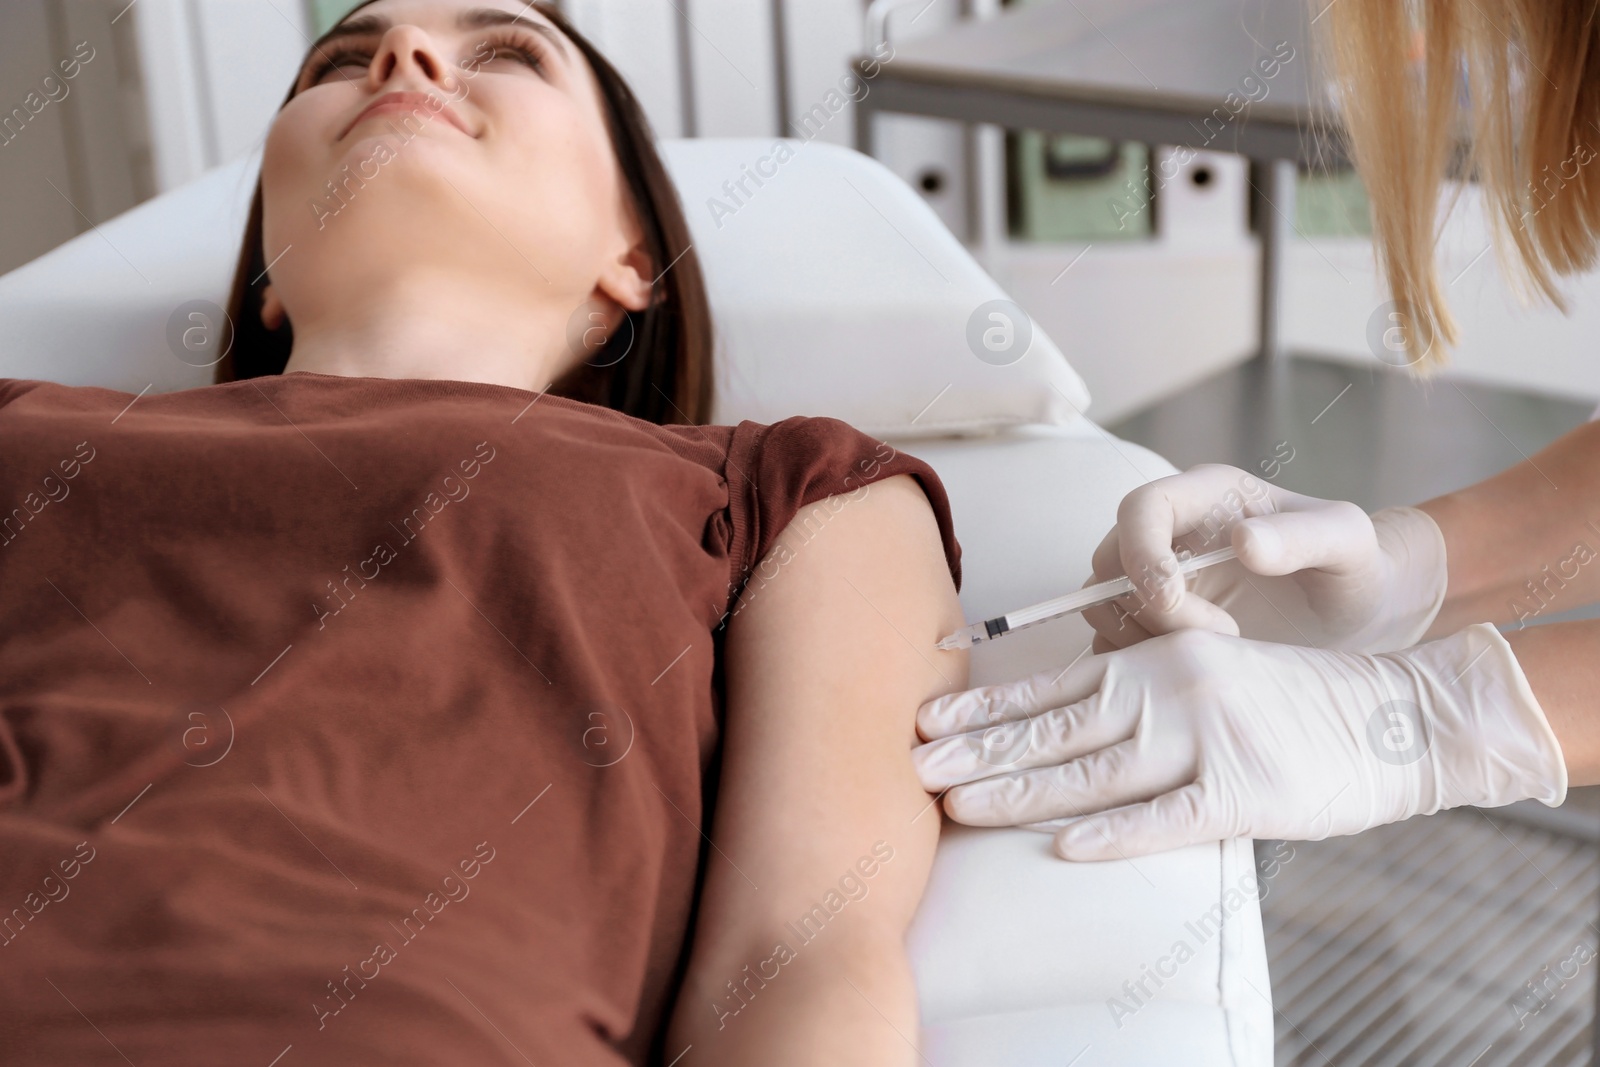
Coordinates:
1523 545
823 836
1177 737
1526 542
1513 549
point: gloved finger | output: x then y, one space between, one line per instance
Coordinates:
1194 612
1119 621
1048 739
1107 558
1198 512
1122 621
1206 498
1171 820
1206 537
985 706
1336 537
1116 624
1108 778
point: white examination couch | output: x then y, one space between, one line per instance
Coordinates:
838 292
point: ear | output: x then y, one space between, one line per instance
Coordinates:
627 279
272 313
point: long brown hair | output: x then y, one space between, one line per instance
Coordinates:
656 365
1520 80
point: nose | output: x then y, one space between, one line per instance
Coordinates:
409 53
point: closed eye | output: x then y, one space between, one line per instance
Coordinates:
524 49
328 62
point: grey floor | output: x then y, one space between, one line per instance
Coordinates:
1359 432
1465 938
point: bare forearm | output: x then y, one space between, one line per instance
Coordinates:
805 962
1525 543
1562 663
848 1000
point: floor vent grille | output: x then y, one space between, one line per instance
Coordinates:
1456 940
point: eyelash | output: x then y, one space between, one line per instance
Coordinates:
527 49
525 46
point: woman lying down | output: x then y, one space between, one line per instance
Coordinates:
380 705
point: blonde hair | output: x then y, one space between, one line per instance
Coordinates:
1516 83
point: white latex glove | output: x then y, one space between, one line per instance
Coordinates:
1310 572
1196 736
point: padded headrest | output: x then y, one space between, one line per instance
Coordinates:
835 290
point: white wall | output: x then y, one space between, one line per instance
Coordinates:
72 150
214 74
1143 322
732 53
35 148
1333 290
640 38
216 70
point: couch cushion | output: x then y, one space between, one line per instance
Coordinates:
1021 957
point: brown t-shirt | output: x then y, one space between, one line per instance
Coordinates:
367 719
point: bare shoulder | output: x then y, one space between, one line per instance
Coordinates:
889 521
859 581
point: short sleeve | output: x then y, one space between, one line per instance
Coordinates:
773 471
11 388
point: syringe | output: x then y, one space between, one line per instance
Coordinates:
1083 599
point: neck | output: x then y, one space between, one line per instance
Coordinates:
442 328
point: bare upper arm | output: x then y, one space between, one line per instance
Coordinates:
827 658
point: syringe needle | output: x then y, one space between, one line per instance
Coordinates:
1082 600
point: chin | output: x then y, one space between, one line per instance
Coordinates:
377 169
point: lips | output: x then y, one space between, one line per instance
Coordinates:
410 103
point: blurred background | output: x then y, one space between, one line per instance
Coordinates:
177 87
1412 944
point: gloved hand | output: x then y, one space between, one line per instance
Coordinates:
1196 736
1310 572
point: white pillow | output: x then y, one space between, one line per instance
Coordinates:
838 291
835 290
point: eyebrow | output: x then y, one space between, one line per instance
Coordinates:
476 18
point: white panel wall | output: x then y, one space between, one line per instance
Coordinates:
114 171
72 150
917 148
822 36
1139 321
214 74
250 51
1142 322
1333 290
34 151
640 38
732 54
172 87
